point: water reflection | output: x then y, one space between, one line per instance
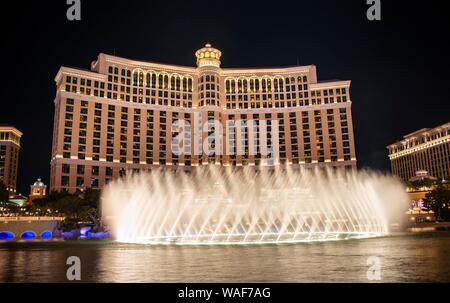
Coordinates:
404 258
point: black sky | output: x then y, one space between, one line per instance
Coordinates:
399 66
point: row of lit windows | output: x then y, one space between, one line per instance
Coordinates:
211 96
83 114
265 84
162 81
2 160
9 136
257 103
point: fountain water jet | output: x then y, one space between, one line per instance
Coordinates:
216 205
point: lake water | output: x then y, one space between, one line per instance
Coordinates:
419 257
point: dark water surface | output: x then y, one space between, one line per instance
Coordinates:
403 258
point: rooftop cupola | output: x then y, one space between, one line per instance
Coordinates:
208 56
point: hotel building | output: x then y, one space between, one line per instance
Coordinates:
118 117
424 150
9 156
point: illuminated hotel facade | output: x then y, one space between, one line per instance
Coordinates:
426 149
9 156
118 117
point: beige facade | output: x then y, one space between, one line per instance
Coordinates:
9 156
119 116
424 150
37 191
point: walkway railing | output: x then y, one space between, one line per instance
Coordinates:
13 219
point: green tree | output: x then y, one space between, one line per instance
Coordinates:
70 206
91 209
4 194
82 206
438 200
91 197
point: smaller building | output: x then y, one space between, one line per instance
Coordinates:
38 190
426 149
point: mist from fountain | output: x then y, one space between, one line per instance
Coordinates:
223 205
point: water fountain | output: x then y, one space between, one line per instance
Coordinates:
217 206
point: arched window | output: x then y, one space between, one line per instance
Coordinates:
184 84
240 86
135 78
172 82
166 81
190 85
141 78
160 81
153 80
148 79
233 86
178 83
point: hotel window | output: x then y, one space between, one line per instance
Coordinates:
65 168
95 170
94 182
64 181
80 182
80 169
108 171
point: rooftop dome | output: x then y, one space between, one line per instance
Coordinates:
208 56
39 183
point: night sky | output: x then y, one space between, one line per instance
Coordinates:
399 66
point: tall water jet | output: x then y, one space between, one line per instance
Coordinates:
216 205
